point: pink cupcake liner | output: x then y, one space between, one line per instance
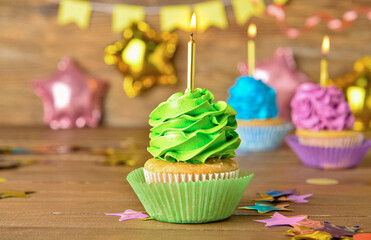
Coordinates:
329 157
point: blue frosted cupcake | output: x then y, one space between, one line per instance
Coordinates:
259 126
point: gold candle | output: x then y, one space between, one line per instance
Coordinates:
191 55
251 32
324 71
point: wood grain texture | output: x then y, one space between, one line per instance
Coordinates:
73 191
32 43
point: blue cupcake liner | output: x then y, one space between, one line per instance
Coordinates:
262 138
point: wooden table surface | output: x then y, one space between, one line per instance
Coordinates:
73 191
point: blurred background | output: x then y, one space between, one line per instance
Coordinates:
32 44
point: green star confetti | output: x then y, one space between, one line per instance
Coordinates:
264 208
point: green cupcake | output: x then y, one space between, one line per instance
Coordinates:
191 177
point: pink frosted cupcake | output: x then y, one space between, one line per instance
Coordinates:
323 120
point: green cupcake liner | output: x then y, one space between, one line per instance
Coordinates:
190 202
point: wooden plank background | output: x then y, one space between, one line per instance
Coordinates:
74 190
32 43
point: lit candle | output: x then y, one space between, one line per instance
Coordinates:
191 55
325 50
251 32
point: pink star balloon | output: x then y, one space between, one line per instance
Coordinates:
128 215
279 72
71 97
279 219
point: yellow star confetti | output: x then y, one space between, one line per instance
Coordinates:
299 230
144 57
11 193
264 198
317 235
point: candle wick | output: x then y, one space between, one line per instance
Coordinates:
191 34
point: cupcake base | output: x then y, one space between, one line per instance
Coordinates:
329 138
329 157
262 138
190 202
153 177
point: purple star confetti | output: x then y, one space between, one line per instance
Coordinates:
338 231
264 208
299 198
128 215
277 193
279 220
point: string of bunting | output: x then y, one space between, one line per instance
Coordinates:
209 13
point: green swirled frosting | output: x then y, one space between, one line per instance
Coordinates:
190 128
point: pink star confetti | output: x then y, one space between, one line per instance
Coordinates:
310 223
279 219
128 215
299 198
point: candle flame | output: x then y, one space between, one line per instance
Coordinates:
251 31
192 25
325 45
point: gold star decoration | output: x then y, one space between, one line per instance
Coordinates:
144 56
356 87
11 193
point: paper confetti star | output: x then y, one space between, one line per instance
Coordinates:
264 208
299 230
264 198
279 219
338 231
268 198
277 193
362 236
299 198
318 235
11 193
311 223
128 215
